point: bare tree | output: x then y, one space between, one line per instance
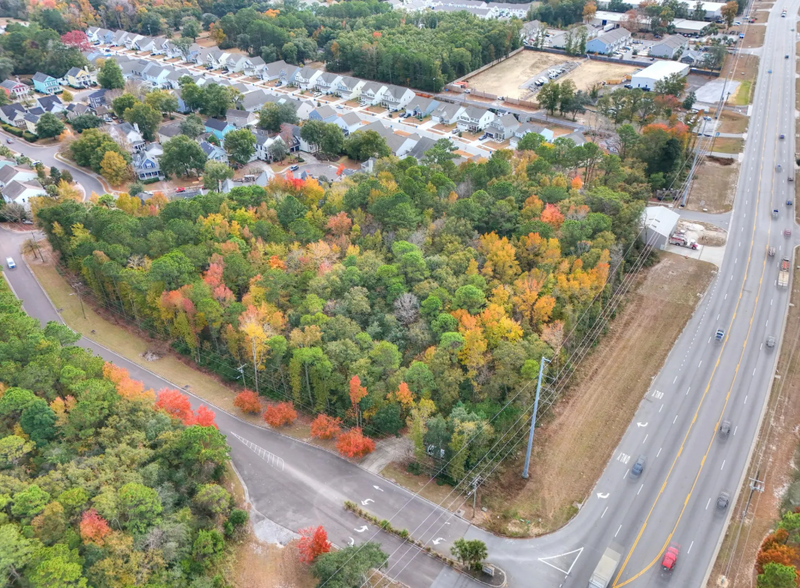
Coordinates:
406 308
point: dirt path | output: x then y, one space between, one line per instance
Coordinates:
571 451
778 446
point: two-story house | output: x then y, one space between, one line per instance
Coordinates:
396 97
145 45
306 77
279 71
237 63
219 128
9 173
474 119
502 127
78 77
97 98
254 67
13 114
349 123
326 82
132 39
241 118
128 133
51 104
255 100
323 113
421 106
46 84
264 144
15 89
213 152
146 163
525 128
372 93
216 59
21 193
447 114
348 87
155 76
119 38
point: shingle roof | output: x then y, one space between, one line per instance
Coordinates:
216 124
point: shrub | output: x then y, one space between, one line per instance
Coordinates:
29 137
248 402
280 414
325 427
354 444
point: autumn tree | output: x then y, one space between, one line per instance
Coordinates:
353 443
313 543
93 527
357 393
729 11
114 168
175 404
325 427
247 401
280 414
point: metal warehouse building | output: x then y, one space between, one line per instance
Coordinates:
659 222
660 70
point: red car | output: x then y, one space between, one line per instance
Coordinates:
670 558
180 189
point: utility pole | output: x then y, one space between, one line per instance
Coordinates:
533 417
255 365
475 483
77 287
240 369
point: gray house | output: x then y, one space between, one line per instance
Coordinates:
421 106
608 42
502 127
669 47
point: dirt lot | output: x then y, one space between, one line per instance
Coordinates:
714 187
746 67
572 449
505 78
725 145
778 464
733 122
754 37
591 73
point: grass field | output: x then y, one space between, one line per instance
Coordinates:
572 448
725 145
505 78
743 94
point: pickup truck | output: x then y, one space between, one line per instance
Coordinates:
783 274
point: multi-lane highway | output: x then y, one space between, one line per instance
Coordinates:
687 464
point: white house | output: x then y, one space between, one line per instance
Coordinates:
474 119
660 70
21 193
421 106
129 133
372 93
447 114
526 128
396 97
325 82
502 127
349 122
156 76
279 71
263 145
237 63
306 77
348 88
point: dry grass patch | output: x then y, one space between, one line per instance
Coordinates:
754 37
572 448
505 78
733 122
427 488
746 67
590 73
714 187
725 145
778 440
260 565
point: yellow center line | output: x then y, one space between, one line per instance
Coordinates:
616 583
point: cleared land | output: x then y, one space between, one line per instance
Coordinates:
725 145
733 122
590 73
754 37
505 78
713 187
778 448
572 449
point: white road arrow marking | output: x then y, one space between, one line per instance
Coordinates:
603 496
361 529
438 540
641 424
378 488
366 502
351 541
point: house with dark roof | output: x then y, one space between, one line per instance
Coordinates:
128 133
51 104
145 163
97 98
13 114
219 128
46 84
214 152
75 109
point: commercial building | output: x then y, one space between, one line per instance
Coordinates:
659 223
660 70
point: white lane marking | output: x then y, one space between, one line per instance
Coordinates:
736 428
645 438
687 390
662 408
640 489
726 297
675 380
722 466
770 302
604 512
626 473
675 419
617 533
659 451
717 317
560 555
754 371
701 363
366 501
745 399
690 548
767 324
623 457
707 503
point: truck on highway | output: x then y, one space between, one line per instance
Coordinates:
606 567
783 274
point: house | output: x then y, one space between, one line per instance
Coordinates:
128 133
291 137
46 84
216 58
608 42
254 67
398 144
98 36
279 71
576 137
695 58
669 47
263 145
422 146
530 32
326 81
241 118
447 114
31 120
255 100
421 106
237 63
9 173
132 68
103 112
305 108
306 77
51 104
145 163
571 37
323 113
132 39
396 97
75 109
502 127
168 131
15 89
526 128
372 93
79 78
219 128
119 38
660 70
97 98
155 75
474 119
145 44
349 123
13 114
21 193
261 179
348 88
214 152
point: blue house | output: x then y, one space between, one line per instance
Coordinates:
323 113
46 84
219 128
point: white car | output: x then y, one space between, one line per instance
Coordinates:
10 263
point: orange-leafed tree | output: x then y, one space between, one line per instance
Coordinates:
205 417
357 392
280 414
353 443
325 427
777 553
93 527
552 216
313 543
247 401
175 404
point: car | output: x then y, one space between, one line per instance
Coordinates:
670 558
771 252
725 429
790 178
294 167
775 213
720 335
787 233
789 203
10 263
786 56
181 189
769 71
778 167
737 23
770 341
741 35
9 141
638 467
723 500
783 136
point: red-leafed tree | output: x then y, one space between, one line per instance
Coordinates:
280 414
313 543
248 402
353 443
357 392
205 417
76 39
94 528
175 404
325 427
